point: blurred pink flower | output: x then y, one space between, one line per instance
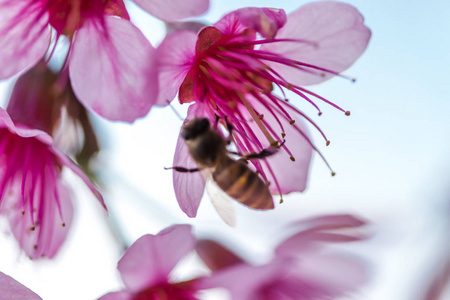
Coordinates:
146 265
300 269
173 10
108 76
229 71
32 194
10 289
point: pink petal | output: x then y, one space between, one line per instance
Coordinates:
189 187
50 234
314 231
265 21
215 255
173 10
336 275
175 57
65 161
244 282
340 34
110 76
151 258
123 295
291 175
22 130
10 289
25 36
328 222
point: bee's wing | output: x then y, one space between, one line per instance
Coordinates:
221 201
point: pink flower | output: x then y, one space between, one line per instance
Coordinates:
108 75
230 69
173 10
13 290
146 265
300 270
32 194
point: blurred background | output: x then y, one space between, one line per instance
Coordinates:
391 157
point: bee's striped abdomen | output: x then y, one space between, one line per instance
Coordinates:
242 184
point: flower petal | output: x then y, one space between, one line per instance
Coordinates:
189 187
12 289
175 56
173 10
245 282
215 255
110 77
23 131
65 161
45 239
332 275
339 34
25 36
152 257
122 295
316 231
265 21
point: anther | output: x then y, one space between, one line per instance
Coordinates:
23 212
320 113
35 247
283 135
281 200
292 122
347 113
333 174
328 143
292 158
289 86
261 116
274 144
32 228
63 224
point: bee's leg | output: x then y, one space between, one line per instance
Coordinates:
271 150
183 169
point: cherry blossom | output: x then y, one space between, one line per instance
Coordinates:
229 73
34 197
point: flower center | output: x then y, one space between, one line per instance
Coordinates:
167 291
28 182
66 16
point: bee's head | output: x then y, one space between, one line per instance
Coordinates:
194 128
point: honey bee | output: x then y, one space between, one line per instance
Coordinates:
209 150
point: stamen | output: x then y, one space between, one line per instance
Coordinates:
250 109
268 41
